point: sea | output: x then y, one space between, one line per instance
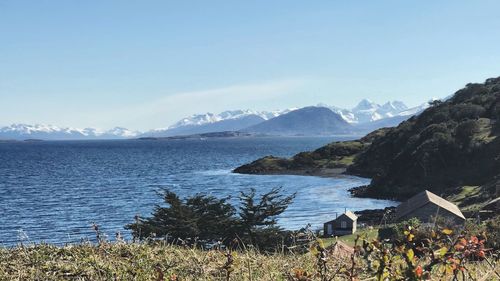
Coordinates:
54 191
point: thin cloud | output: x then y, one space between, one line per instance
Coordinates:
166 110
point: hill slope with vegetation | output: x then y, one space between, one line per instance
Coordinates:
332 158
452 144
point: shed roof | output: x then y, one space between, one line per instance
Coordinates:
423 198
348 214
351 215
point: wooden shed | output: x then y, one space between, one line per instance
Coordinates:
426 206
345 224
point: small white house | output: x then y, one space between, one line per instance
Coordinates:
345 224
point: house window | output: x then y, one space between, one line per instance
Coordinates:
329 229
343 224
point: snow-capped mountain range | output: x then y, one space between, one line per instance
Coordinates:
367 111
50 132
207 118
366 114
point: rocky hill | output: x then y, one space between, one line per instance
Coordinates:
331 159
451 145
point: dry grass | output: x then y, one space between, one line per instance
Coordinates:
369 234
120 261
141 262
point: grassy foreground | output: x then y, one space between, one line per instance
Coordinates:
369 234
121 261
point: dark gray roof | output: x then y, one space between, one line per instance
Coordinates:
423 198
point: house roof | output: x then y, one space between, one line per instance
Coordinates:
351 215
348 214
423 198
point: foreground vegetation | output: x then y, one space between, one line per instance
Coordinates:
369 234
436 255
141 261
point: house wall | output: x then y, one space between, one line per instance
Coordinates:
337 223
326 229
338 230
427 212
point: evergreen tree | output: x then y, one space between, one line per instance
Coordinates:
258 218
199 216
208 218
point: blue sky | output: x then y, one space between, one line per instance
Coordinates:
145 64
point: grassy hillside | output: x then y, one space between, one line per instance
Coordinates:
336 155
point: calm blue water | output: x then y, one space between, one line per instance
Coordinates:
53 191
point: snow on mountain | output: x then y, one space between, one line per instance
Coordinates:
51 132
364 113
207 118
366 105
119 132
367 111
417 109
391 108
231 120
307 121
346 114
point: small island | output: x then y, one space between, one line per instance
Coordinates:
226 134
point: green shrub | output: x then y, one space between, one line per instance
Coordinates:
395 232
206 218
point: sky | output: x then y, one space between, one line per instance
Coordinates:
146 64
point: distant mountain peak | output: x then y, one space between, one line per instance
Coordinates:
365 104
310 120
51 132
394 105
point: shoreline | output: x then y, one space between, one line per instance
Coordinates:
369 216
356 192
324 173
